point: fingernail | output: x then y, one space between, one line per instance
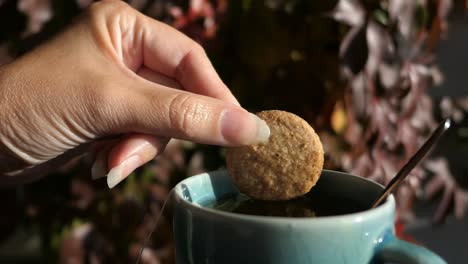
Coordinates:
120 172
239 127
263 131
99 169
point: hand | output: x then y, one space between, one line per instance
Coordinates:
118 82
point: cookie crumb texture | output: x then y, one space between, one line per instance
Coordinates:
288 166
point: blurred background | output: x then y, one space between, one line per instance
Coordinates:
373 77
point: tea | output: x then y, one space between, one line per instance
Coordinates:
309 205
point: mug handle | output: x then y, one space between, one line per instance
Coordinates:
393 250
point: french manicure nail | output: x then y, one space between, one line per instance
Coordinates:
241 127
120 172
263 131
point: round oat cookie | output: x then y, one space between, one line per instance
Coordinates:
286 167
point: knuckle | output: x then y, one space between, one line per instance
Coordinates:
107 10
182 111
194 50
104 20
197 48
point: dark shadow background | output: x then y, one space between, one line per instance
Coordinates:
450 240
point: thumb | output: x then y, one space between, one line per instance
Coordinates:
163 111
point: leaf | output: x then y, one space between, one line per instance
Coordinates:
338 118
38 13
389 74
349 12
381 17
360 95
450 109
443 181
354 50
402 12
380 45
444 8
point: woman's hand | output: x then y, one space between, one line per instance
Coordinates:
118 82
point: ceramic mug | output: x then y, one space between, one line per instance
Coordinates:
205 235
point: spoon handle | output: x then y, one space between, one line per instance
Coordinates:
409 166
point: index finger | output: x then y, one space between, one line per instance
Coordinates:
138 40
172 53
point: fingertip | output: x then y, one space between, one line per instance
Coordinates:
123 170
131 153
239 127
145 146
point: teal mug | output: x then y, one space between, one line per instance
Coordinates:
205 235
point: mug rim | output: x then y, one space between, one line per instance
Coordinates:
370 214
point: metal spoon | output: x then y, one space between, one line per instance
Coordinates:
409 166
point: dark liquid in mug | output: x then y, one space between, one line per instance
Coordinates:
309 205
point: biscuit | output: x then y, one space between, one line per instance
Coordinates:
285 167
